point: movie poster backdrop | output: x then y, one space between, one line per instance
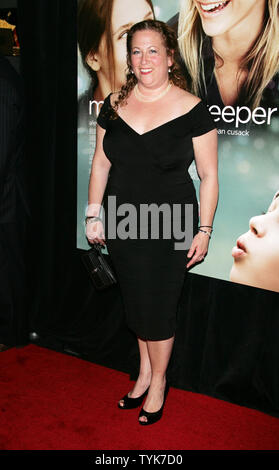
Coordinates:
244 247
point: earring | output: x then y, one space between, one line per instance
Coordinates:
169 70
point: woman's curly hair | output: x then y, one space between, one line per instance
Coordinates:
170 41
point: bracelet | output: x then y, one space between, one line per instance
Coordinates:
90 219
209 226
204 231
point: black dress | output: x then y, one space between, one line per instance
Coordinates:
150 169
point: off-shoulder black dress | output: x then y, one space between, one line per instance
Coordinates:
151 169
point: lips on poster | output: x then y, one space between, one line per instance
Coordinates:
230 55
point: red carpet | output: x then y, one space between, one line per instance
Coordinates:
54 401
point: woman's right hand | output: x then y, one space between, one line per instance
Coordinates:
95 232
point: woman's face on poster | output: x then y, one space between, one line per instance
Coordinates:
256 254
223 16
123 18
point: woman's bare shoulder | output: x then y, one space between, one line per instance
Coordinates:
186 99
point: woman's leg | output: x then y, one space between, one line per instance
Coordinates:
159 355
144 377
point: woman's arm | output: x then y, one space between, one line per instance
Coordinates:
97 184
206 156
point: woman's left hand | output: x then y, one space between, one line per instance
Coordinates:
198 248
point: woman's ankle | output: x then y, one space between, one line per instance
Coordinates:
145 375
159 379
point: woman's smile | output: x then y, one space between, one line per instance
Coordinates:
211 8
224 16
145 71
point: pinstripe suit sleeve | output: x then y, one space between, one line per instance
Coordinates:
8 124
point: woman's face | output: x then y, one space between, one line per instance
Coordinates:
149 58
256 254
123 18
223 16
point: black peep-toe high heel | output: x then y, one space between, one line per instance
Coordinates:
155 416
130 403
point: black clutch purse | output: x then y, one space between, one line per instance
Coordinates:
98 268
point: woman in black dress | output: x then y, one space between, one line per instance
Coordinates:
147 137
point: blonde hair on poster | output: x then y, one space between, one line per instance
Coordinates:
261 61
